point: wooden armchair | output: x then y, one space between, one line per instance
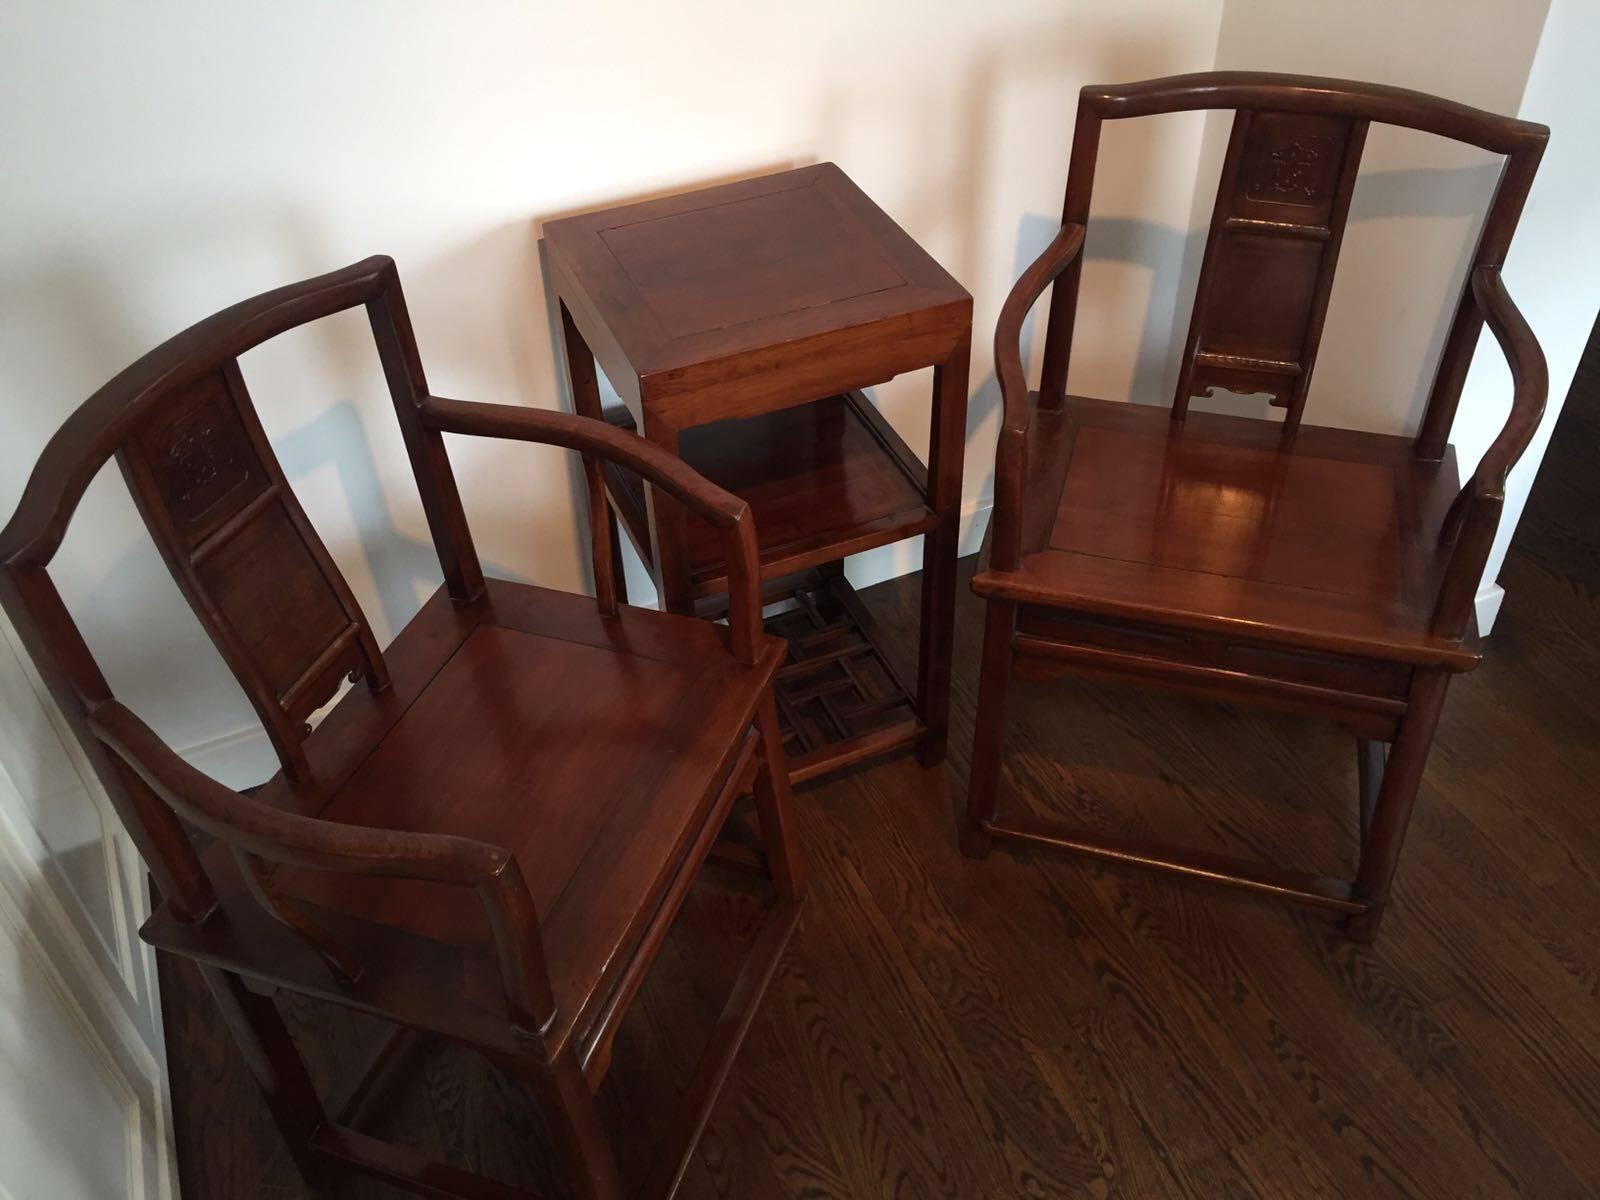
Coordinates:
1317 570
488 836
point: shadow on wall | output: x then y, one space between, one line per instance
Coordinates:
339 457
112 578
403 568
1155 249
1437 193
1172 259
991 138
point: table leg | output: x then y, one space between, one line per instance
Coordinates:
946 445
609 585
669 546
581 376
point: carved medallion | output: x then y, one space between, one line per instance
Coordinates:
195 460
1297 171
202 459
1292 170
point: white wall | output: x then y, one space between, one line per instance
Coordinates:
1554 270
164 159
84 1105
1419 200
51 1089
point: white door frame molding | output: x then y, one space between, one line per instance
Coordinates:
99 976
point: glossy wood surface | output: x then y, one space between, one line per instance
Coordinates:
1210 525
528 687
489 836
752 296
1306 569
1042 1025
243 553
1269 262
738 323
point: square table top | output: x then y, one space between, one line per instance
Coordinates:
752 279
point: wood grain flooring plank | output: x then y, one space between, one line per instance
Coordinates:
1039 1026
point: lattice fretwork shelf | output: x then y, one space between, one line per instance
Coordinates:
839 698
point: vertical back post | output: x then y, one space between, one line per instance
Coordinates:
1064 292
436 483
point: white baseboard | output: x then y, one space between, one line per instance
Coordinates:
1488 601
241 759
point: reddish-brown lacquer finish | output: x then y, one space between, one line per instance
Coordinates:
1268 270
738 323
817 477
239 546
1321 571
487 838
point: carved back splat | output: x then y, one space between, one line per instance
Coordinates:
1270 257
246 558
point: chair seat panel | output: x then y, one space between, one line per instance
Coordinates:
519 734
1216 524
1236 511
590 747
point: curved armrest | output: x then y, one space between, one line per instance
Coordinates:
1530 379
254 828
1474 517
1060 254
722 509
1011 454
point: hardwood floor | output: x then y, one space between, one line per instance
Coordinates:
1039 1026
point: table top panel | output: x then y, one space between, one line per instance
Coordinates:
736 269
723 265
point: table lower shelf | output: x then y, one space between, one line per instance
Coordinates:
840 699
823 480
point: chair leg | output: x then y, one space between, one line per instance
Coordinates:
1371 757
994 679
269 1051
937 641
575 1127
1386 831
773 808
